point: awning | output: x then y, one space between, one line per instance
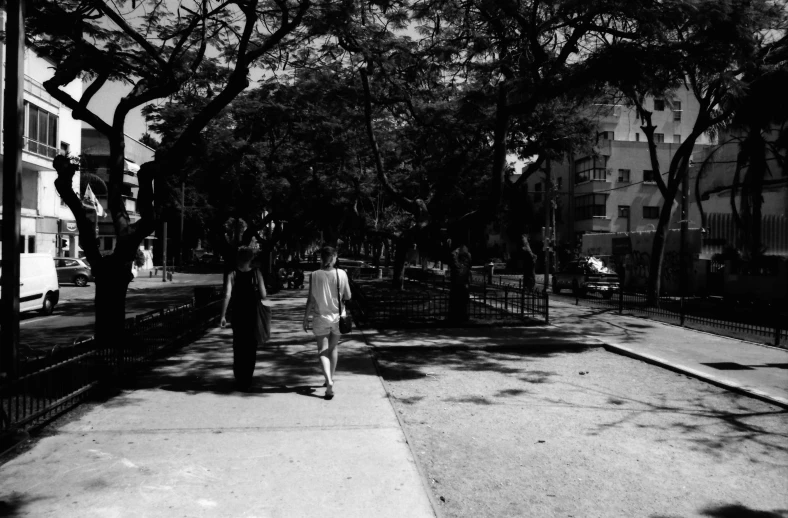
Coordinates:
132 167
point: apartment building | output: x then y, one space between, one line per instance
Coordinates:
95 160
47 225
613 188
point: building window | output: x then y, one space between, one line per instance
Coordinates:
623 175
659 138
623 211
648 176
650 212
590 205
31 244
606 135
591 168
677 111
637 137
659 105
538 191
676 138
41 132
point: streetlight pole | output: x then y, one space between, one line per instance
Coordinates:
183 206
14 128
164 254
548 206
683 262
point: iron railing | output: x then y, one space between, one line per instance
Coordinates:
768 324
46 387
427 302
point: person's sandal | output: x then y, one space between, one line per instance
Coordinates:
329 392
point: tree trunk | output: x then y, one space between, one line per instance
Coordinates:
459 285
658 254
112 276
400 254
679 167
756 173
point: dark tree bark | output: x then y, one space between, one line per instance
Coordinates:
459 288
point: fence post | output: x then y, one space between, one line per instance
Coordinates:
681 310
777 332
522 300
546 300
506 298
620 300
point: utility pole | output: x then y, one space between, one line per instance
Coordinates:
683 262
14 128
183 206
164 253
548 205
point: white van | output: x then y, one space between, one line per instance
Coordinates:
38 287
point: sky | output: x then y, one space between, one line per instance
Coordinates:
104 102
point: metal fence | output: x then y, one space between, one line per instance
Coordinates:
427 301
768 324
48 386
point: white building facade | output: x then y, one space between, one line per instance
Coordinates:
47 225
613 189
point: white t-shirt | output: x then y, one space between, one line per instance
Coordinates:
323 285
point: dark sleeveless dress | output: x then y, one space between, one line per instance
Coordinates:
247 328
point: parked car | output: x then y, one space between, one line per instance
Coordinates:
38 286
585 276
73 270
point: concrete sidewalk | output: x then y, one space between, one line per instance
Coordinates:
182 442
757 370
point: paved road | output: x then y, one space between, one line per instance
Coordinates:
74 315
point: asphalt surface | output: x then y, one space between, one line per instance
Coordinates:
74 316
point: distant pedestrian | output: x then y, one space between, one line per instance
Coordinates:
322 304
243 291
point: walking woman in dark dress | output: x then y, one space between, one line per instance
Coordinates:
243 290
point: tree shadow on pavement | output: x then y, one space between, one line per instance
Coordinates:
288 363
706 421
13 505
735 511
409 355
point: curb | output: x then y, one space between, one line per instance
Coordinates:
688 371
422 476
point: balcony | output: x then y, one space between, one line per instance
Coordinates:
35 88
38 148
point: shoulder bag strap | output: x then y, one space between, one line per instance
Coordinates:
256 282
339 293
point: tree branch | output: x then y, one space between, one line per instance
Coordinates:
64 185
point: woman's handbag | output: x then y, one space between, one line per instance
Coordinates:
346 322
263 327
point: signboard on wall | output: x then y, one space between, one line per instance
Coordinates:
67 227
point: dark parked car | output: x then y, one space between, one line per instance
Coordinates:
583 277
71 270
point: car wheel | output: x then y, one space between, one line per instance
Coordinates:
556 287
49 304
81 281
